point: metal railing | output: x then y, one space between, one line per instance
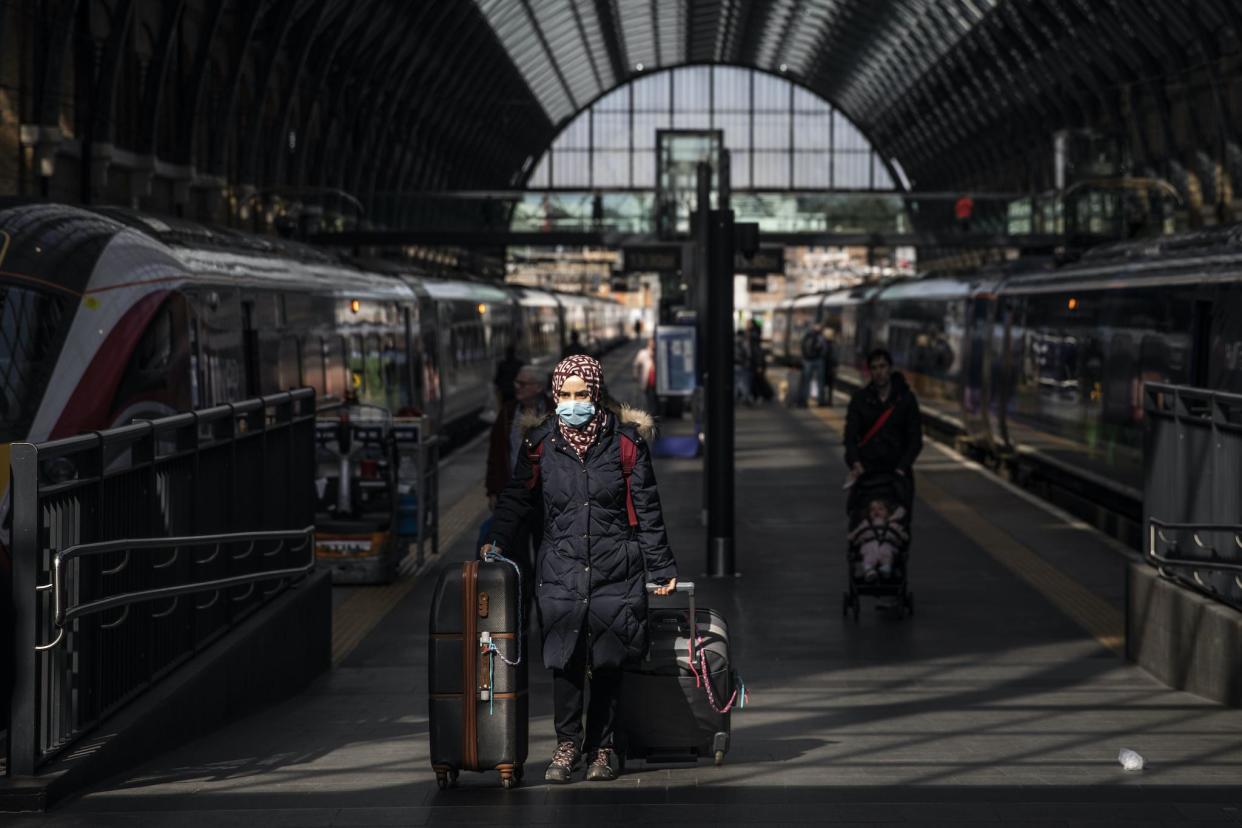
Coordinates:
111 530
1192 499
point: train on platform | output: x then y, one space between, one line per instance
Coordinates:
110 315
1039 365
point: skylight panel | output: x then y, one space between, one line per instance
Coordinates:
560 29
779 17
638 34
671 18
514 29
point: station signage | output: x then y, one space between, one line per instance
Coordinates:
766 260
664 258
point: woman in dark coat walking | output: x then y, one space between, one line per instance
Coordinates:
597 554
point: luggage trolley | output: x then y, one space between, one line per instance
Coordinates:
895 490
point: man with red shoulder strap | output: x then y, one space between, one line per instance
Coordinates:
883 427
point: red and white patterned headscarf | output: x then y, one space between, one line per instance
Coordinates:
592 374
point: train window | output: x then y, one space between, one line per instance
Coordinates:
334 366
154 351
32 328
313 373
374 372
356 365
392 364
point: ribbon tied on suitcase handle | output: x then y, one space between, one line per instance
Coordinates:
702 677
487 646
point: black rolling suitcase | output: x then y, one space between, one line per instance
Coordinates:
676 702
476 647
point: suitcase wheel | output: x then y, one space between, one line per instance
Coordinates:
719 758
510 778
446 778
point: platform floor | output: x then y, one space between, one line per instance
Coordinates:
1003 700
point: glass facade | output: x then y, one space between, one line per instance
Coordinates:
781 136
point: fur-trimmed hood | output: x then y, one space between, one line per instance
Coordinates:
642 422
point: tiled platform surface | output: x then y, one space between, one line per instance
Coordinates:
989 706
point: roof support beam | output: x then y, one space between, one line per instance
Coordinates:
606 13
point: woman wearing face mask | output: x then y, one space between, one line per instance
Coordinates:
595 558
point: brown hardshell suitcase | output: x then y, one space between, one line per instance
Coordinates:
478 706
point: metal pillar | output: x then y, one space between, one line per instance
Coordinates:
719 466
27 603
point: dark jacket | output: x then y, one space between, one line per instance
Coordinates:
897 444
813 345
498 449
591 568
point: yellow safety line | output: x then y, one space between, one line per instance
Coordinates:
1104 622
355 617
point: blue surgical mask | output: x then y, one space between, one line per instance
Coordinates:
575 414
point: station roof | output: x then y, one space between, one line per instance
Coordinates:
936 84
370 98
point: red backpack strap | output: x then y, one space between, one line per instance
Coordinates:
629 457
533 455
876 426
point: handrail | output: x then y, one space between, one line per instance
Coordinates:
1157 527
63 615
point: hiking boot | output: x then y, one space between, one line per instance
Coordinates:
600 769
564 763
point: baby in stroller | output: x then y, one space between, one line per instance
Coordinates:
879 542
879 538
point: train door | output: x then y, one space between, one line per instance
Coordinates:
250 350
974 369
1201 342
412 385
432 349
1006 329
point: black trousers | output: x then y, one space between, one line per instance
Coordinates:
569 697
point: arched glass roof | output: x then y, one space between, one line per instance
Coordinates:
780 135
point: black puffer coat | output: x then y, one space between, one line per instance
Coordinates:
591 568
898 442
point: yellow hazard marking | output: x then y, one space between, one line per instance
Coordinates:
1102 620
355 617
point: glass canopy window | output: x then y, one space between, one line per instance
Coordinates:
780 136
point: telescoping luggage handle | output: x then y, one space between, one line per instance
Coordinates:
688 588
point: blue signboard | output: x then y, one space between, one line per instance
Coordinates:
675 359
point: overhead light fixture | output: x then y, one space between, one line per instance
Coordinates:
355 305
638 67
784 67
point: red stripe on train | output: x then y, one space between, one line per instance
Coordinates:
90 404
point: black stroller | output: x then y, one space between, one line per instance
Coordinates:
894 490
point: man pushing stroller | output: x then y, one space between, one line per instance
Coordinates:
883 427
883 436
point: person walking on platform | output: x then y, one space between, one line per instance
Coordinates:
830 365
645 374
506 375
574 346
883 426
741 368
760 388
813 350
530 406
604 538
